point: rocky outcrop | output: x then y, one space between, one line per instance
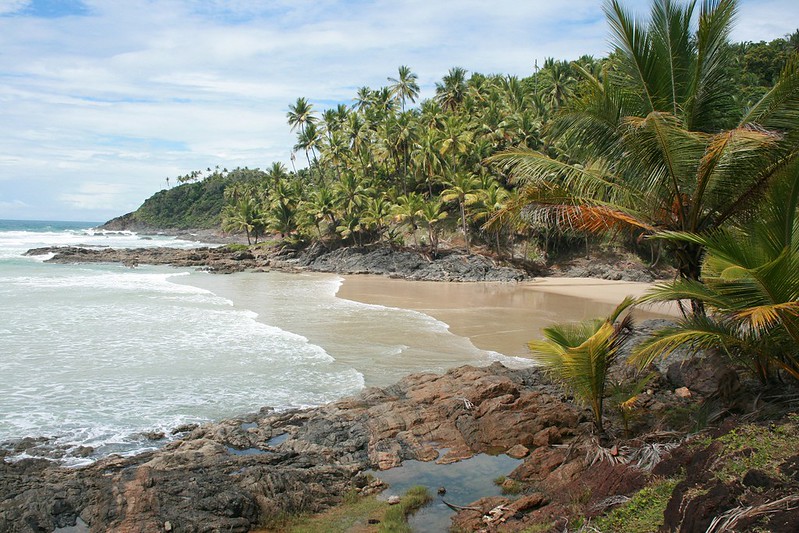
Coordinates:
410 265
223 259
610 266
228 259
232 475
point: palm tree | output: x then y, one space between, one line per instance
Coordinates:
432 213
363 98
277 173
244 214
376 215
281 217
308 140
401 134
352 192
454 140
404 87
646 146
580 355
492 201
464 188
751 288
407 211
559 84
321 205
427 158
452 89
300 114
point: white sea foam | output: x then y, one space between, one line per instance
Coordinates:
95 355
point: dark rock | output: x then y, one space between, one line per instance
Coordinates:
409 265
703 374
185 428
757 478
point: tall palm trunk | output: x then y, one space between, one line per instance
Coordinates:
462 202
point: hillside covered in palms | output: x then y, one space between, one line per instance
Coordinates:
388 168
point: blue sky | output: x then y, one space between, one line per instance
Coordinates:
101 100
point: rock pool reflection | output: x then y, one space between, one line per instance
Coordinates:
465 482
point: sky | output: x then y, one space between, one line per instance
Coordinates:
102 100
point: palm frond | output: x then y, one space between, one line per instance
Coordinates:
710 103
778 109
634 41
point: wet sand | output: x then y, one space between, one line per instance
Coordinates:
500 317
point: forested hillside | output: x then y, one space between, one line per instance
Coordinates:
388 168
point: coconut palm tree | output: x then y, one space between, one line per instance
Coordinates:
321 205
404 86
646 146
558 82
452 89
580 355
276 173
750 287
300 114
376 215
308 140
432 213
491 201
463 188
408 210
244 214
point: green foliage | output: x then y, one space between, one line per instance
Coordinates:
657 142
387 147
395 519
754 447
642 514
751 287
580 355
196 204
624 395
355 511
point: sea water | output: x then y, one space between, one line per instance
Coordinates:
103 356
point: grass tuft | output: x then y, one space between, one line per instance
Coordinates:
642 514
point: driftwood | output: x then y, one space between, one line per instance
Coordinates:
457 508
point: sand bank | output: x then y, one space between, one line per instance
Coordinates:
501 317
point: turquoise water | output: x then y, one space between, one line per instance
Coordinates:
95 355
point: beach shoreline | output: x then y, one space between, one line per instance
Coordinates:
496 316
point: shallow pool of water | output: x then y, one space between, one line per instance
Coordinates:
465 482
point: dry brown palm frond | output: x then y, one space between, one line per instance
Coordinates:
731 518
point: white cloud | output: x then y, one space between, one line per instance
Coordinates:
12 6
96 196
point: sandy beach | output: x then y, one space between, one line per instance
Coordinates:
500 317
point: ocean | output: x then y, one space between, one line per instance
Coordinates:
96 358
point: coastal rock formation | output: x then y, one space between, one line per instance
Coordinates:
410 265
237 474
228 259
234 475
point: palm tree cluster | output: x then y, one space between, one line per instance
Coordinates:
502 160
659 144
382 169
